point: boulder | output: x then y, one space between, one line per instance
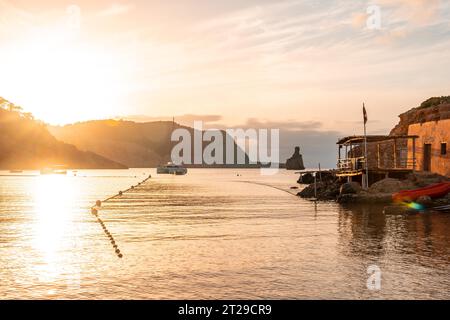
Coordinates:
390 185
350 188
324 176
307 178
327 176
325 191
423 179
424 200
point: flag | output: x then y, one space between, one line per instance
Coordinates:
365 114
366 162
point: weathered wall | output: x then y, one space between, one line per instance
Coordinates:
434 133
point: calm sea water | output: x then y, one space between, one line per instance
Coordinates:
210 234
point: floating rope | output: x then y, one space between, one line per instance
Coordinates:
268 185
98 205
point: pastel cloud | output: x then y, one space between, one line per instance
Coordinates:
186 119
116 9
359 19
249 61
283 125
416 11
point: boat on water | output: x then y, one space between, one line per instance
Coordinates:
59 169
433 191
171 168
15 171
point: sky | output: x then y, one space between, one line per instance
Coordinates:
302 66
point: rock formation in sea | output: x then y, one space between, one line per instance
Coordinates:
296 161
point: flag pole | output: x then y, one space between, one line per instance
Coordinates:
365 148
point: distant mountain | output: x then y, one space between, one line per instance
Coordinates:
134 144
27 144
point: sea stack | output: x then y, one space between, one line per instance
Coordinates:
296 161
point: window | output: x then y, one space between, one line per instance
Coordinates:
443 148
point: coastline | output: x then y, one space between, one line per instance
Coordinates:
332 188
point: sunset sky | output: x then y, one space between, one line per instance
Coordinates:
303 66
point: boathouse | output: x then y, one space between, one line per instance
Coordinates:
387 156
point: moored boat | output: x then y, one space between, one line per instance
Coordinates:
433 191
171 168
58 169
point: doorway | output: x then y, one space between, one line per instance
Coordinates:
427 157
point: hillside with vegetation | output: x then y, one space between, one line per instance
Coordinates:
25 143
135 144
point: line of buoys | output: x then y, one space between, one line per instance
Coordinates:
94 211
96 208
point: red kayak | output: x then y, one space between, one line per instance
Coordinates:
433 191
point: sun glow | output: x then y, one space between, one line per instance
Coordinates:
54 221
61 79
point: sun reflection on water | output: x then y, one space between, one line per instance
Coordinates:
54 198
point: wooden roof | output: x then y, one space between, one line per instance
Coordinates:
372 138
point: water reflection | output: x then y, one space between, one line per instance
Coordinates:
362 230
54 197
367 232
207 235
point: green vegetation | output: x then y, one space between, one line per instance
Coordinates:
434 101
27 144
11 107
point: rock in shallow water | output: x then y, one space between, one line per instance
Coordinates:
350 188
325 191
306 178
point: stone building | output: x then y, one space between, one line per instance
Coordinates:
430 122
432 146
419 142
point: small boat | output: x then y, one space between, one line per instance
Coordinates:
433 191
171 168
15 171
59 169
445 208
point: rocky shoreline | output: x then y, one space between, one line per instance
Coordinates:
331 188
